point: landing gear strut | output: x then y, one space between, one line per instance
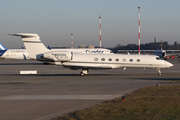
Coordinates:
159 71
84 72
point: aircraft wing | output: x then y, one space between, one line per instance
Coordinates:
75 67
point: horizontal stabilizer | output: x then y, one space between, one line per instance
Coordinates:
24 35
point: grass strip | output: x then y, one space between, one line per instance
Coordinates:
150 103
170 82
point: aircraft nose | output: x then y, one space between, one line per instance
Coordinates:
168 64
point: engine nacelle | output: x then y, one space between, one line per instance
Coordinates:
60 56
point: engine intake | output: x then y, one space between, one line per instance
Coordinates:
56 55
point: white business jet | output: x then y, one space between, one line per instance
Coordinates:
76 60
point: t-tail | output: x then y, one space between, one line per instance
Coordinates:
33 44
2 47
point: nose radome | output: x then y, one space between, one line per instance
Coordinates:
169 64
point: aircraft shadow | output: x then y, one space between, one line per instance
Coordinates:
90 75
74 75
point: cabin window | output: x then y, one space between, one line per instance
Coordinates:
102 59
124 60
138 60
131 60
110 59
117 59
95 59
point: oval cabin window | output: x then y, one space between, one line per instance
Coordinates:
95 59
117 59
124 60
110 59
138 60
102 59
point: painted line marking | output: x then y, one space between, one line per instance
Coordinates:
59 97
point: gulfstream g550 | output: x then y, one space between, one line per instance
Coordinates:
75 60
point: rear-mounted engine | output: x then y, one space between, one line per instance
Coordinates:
61 56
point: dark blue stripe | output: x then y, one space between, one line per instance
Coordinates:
2 52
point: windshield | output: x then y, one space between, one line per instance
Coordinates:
158 58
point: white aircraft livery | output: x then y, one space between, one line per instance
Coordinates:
22 54
77 60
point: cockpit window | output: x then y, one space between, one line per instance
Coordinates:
158 58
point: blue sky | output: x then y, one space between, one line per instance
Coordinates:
55 20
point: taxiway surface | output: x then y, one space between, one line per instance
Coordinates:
56 91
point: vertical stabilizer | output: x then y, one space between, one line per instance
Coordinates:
33 44
2 47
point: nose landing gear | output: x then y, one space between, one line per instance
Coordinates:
159 72
84 72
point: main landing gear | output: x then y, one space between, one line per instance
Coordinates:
159 71
84 72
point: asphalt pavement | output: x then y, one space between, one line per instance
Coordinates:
55 91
